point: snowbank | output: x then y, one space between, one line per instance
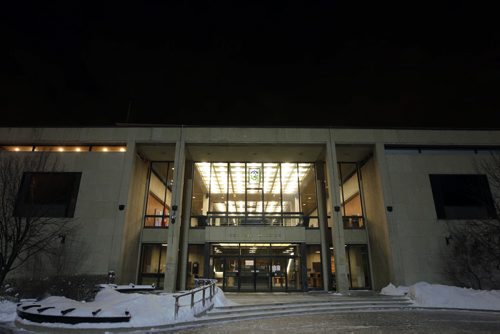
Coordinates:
436 295
148 310
392 290
7 311
145 309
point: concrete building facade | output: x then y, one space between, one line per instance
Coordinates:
264 209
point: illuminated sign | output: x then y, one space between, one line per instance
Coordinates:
254 175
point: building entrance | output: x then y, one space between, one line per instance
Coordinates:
256 267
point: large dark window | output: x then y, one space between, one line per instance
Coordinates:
47 194
459 196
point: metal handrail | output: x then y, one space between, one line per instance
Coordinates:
202 285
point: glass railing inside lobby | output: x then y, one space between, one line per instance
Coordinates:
289 219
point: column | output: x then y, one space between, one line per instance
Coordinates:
186 222
341 266
174 228
323 225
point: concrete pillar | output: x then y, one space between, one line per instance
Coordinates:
323 225
396 265
174 229
341 265
186 222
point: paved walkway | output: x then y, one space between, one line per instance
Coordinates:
397 322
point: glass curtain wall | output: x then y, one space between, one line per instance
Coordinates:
159 195
238 193
350 195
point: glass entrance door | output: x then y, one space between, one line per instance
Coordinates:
279 275
256 267
231 274
247 274
262 275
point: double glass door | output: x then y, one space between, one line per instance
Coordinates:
256 273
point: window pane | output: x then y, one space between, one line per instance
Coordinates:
236 201
112 148
462 196
349 190
314 268
308 189
159 195
290 187
48 194
17 148
153 258
359 267
272 188
218 187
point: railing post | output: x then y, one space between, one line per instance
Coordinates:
207 284
176 312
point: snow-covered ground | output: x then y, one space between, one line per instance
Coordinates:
158 309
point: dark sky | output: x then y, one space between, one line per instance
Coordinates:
313 63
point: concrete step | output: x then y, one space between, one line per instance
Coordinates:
314 302
254 311
309 306
277 309
300 311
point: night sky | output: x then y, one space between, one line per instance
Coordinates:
314 63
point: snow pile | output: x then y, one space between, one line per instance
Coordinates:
392 290
436 295
148 310
7 311
145 309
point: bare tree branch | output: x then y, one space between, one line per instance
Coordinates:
474 259
34 231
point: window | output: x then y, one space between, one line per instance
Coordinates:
153 264
254 193
159 195
47 194
459 196
350 196
359 266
